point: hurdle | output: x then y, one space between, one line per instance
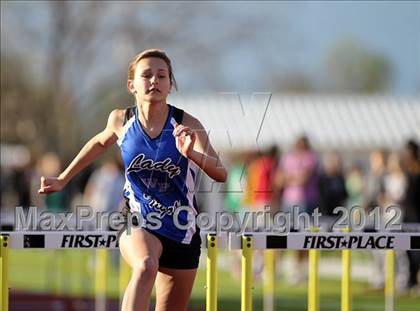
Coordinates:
247 242
100 242
319 241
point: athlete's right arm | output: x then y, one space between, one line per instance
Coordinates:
90 151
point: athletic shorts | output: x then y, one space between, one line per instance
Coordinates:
174 255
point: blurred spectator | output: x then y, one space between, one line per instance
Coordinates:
50 165
395 185
2 186
374 196
260 172
234 199
22 184
355 186
104 193
104 189
249 199
265 169
374 187
17 172
259 190
300 169
411 161
411 164
254 200
395 182
332 188
234 187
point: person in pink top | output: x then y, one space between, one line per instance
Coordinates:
300 169
300 179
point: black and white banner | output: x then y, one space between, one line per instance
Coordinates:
330 241
260 240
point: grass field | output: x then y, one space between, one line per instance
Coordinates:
71 273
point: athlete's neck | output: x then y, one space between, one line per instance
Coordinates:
152 114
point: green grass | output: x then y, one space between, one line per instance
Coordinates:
71 273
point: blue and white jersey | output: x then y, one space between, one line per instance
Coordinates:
158 178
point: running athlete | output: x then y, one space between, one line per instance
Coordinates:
162 148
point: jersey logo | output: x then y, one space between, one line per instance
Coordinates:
160 208
140 163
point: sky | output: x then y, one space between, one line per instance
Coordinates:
312 28
289 37
390 28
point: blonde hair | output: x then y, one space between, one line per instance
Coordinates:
147 54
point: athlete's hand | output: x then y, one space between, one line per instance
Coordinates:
50 185
185 139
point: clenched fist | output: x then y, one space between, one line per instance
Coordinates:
50 185
184 138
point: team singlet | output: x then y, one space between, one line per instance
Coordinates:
158 178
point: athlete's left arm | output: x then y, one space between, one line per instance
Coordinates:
203 153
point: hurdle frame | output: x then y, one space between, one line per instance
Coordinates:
247 242
346 293
4 271
247 277
211 273
313 277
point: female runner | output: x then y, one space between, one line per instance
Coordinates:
162 148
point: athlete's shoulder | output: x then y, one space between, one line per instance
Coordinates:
191 121
116 116
116 121
117 113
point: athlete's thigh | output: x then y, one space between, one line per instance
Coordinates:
139 244
173 288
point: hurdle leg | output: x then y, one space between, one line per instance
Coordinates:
211 276
2 276
313 281
313 278
269 279
4 272
390 280
346 281
346 278
247 273
100 279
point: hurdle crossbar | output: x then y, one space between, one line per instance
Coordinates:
331 240
247 242
261 240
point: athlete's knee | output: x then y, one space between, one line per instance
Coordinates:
146 267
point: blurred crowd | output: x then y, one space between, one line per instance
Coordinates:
307 179
299 177
304 178
99 185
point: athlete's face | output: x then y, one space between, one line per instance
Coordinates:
151 80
